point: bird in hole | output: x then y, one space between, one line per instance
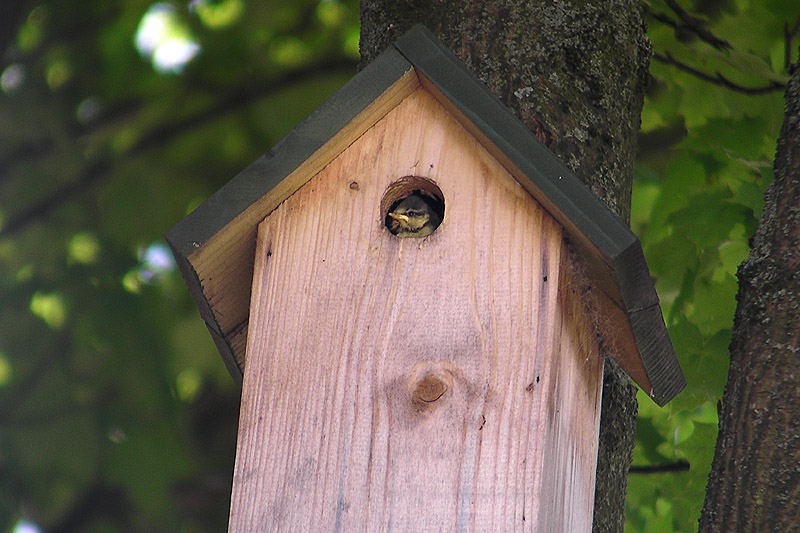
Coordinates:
413 217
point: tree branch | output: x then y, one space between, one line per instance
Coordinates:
98 500
36 149
16 396
754 480
719 79
99 170
789 36
11 15
693 25
677 466
664 19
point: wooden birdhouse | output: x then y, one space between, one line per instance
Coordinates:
444 379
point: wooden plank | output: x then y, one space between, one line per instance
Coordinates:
215 244
573 435
617 331
444 383
613 253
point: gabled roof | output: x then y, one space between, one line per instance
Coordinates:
215 244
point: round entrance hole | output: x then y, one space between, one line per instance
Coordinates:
412 207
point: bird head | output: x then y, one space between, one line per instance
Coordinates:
413 217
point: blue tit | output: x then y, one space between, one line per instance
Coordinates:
415 216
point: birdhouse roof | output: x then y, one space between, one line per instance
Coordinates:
215 244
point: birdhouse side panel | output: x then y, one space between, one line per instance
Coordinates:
572 434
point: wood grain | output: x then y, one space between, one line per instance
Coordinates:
224 264
618 334
214 245
438 384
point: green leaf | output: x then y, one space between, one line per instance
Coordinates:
746 63
732 253
736 137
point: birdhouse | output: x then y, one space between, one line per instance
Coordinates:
417 296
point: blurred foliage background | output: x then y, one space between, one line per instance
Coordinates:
118 118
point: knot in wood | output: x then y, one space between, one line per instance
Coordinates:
429 381
430 389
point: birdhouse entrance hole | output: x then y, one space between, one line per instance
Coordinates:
412 206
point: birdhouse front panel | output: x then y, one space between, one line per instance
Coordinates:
215 244
442 381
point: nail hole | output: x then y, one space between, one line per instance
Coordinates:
412 206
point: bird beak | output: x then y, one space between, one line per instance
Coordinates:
395 216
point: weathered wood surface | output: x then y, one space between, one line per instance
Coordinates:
446 383
221 267
215 244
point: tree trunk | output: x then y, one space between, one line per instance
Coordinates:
755 476
575 74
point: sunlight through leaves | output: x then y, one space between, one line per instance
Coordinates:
50 307
164 39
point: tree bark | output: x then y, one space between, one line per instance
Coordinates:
755 476
575 73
